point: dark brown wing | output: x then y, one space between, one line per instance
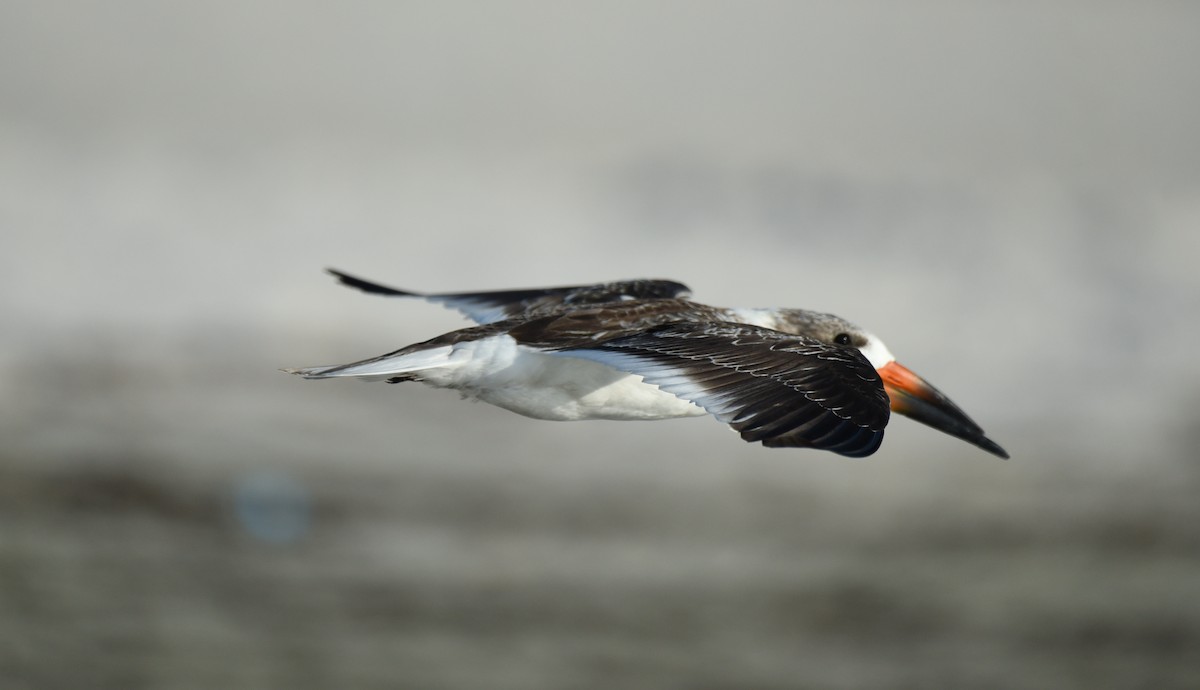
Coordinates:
581 326
564 327
489 307
778 389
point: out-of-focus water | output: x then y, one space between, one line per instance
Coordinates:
1008 196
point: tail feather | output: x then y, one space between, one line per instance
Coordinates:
384 367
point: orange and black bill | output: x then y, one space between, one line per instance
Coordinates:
914 397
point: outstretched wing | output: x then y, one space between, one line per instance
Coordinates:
489 307
779 389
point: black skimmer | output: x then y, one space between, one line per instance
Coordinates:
640 349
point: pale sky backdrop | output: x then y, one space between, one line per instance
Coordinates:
1008 194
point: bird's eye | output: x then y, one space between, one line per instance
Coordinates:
842 338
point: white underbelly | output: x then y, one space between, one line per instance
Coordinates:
555 387
602 394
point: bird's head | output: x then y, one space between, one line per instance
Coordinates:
910 395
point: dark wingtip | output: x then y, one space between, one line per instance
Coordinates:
367 286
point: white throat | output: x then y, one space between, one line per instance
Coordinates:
876 352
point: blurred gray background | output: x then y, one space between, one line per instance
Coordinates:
1008 193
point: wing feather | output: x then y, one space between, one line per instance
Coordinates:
498 305
778 389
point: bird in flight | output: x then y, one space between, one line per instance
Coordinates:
640 349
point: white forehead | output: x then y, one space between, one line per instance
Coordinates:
876 352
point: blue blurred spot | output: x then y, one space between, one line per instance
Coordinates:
273 507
